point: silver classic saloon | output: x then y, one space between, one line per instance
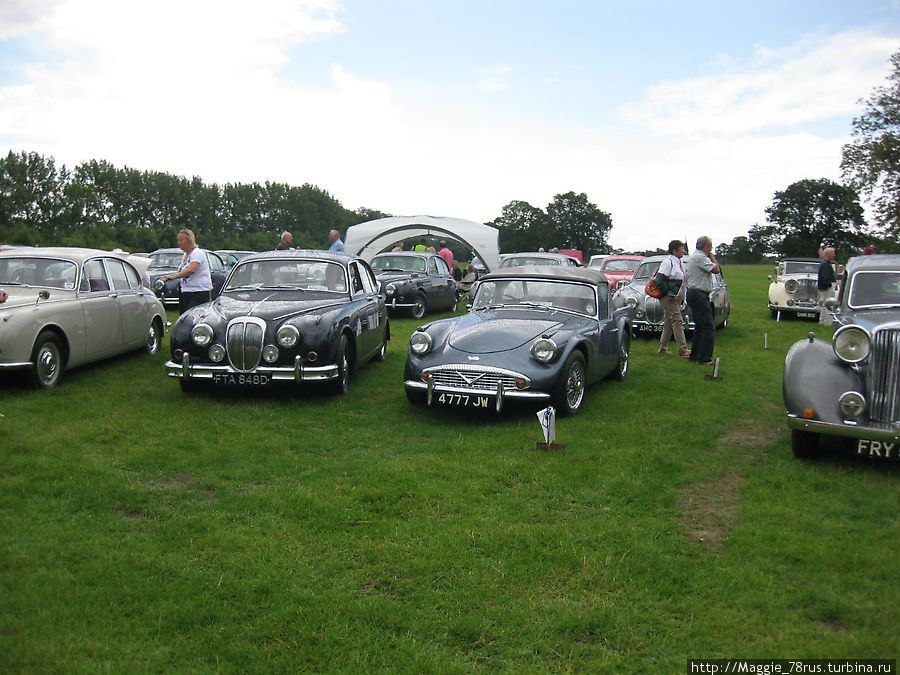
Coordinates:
850 386
71 306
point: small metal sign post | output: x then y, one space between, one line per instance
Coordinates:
547 418
715 372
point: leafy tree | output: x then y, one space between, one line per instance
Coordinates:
751 249
523 227
813 213
871 161
579 223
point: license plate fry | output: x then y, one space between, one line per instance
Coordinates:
877 449
463 400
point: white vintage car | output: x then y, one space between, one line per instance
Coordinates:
64 307
793 290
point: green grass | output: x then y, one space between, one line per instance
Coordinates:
144 529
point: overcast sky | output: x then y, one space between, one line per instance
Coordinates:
677 118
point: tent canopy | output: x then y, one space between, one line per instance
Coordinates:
374 236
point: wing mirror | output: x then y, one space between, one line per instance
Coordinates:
42 295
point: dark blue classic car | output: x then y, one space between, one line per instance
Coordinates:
165 261
416 282
850 386
534 334
284 316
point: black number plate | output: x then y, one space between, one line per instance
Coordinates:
241 379
463 400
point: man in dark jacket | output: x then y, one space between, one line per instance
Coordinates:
825 284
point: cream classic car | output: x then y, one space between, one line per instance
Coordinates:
793 290
65 307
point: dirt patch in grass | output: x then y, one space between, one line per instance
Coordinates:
709 508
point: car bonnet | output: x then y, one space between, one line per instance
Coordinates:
482 334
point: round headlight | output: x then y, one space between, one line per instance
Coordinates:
270 353
631 301
159 285
216 353
202 334
851 344
791 285
543 350
420 343
852 404
287 336
390 289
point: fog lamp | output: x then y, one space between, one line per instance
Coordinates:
270 353
216 353
852 404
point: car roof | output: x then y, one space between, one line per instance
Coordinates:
798 259
624 256
409 254
879 261
582 274
72 253
329 256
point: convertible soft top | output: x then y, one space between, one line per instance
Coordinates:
582 274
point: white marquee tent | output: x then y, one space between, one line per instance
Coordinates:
374 236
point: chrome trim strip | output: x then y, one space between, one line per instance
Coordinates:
415 385
838 429
278 373
16 366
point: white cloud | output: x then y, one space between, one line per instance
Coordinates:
818 79
193 89
493 79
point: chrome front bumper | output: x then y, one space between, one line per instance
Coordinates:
296 373
848 430
500 394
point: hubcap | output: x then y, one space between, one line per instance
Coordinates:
48 364
575 386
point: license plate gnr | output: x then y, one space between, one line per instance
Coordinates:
241 379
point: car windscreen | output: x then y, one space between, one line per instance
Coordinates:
166 259
405 263
293 275
620 265
647 270
522 261
794 267
46 272
575 297
875 289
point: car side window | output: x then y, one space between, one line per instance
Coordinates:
215 262
93 277
134 279
116 270
441 265
368 279
355 282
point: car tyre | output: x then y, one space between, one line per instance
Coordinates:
805 444
154 337
568 394
417 311
622 362
342 384
48 362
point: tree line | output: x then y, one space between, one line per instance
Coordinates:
101 206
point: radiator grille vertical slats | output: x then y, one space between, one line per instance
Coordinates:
244 342
883 386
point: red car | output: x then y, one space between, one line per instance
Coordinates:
619 269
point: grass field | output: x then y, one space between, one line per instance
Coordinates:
145 529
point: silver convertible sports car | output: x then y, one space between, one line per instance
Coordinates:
71 306
850 386
534 334
283 316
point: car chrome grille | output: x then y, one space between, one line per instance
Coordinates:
883 390
653 310
482 378
807 291
244 342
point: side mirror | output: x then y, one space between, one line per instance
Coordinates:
42 295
